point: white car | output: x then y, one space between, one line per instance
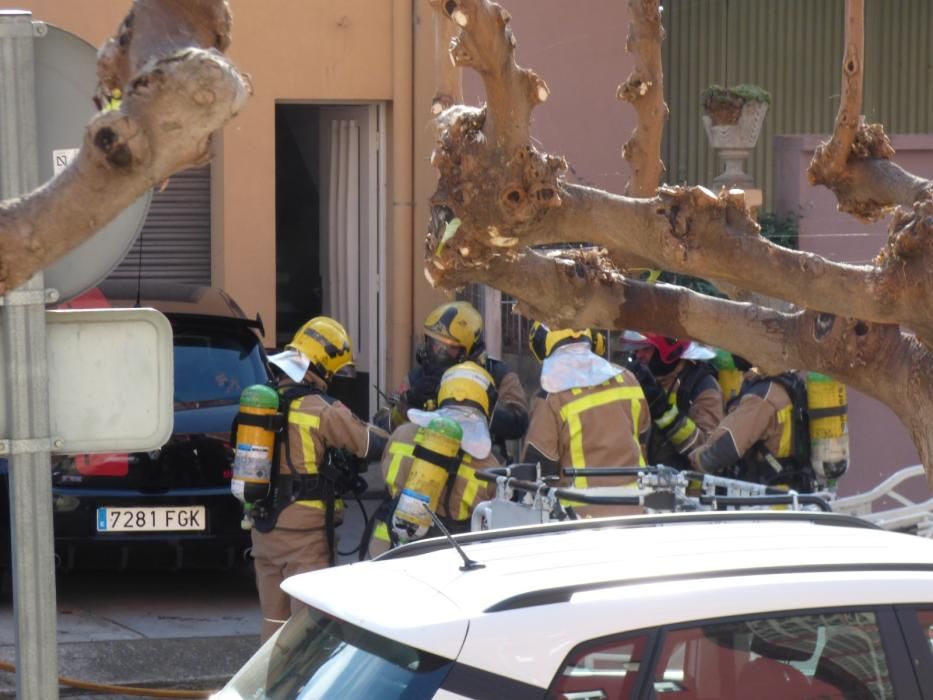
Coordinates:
755 604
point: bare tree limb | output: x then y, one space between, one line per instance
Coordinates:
644 88
580 289
855 163
448 82
496 199
831 157
176 89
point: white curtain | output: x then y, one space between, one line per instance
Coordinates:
343 226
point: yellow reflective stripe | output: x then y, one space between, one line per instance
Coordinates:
320 505
679 437
470 487
577 458
784 420
309 422
398 450
636 421
382 532
632 393
571 414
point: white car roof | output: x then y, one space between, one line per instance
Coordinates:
567 583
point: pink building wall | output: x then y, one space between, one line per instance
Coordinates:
582 58
879 443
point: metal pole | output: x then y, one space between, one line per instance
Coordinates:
27 385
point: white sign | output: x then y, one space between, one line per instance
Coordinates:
111 379
62 157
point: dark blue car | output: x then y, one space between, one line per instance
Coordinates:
169 507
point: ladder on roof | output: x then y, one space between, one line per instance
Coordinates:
523 497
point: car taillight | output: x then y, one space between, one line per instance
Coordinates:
116 464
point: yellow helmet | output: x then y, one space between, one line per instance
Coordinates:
326 344
455 323
468 384
542 340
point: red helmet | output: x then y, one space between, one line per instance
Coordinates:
669 349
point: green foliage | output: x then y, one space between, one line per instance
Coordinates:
737 95
780 229
697 284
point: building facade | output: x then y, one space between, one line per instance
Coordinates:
316 200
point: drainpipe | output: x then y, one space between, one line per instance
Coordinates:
401 250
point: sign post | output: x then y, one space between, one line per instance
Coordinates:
27 383
47 79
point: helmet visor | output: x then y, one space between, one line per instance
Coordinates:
439 354
348 371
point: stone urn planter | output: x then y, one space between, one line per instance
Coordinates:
733 118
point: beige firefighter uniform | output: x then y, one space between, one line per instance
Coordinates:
598 426
702 398
298 542
760 415
465 490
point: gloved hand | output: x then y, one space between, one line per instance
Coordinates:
423 390
657 398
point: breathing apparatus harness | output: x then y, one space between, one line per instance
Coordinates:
795 469
338 472
423 456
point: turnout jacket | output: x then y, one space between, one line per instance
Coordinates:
458 499
761 414
693 388
597 426
318 421
465 489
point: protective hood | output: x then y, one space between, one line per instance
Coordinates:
575 366
698 351
475 441
293 363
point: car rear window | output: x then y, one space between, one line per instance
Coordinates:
318 656
213 366
820 655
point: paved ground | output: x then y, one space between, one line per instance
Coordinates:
170 630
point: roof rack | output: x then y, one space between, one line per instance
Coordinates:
563 594
625 522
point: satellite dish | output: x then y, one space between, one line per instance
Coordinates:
66 81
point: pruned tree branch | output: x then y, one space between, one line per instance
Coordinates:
686 230
175 89
448 83
856 162
644 89
498 198
580 289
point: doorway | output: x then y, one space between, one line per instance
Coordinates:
330 226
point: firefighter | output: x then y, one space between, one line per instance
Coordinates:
467 396
588 413
453 333
683 396
764 437
294 531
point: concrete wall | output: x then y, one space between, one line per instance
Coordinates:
879 443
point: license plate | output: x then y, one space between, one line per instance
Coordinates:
152 519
